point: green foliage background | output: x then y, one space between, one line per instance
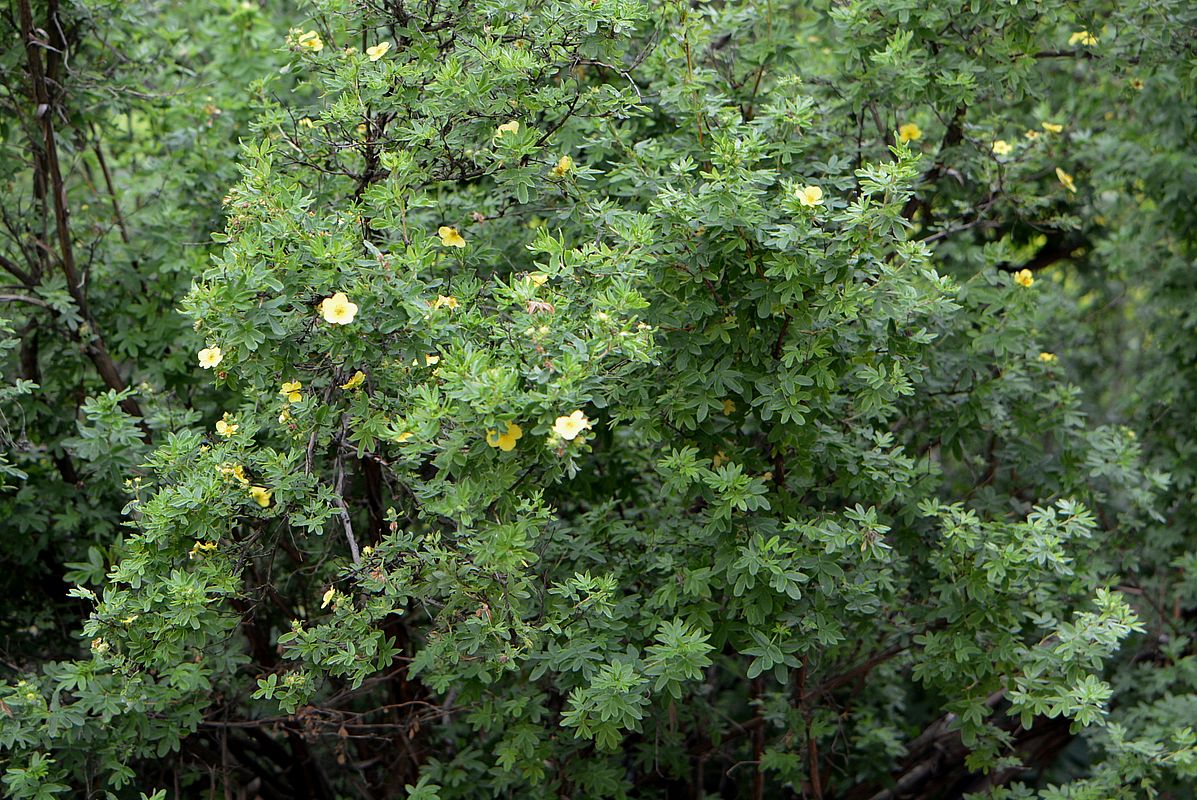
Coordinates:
886 490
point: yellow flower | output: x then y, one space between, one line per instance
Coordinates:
1002 148
306 122
810 196
199 551
235 470
337 309
538 278
1066 180
1137 84
378 51
1083 37
910 132
357 380
508 127
209 357
729 407
569 427
260 494
719 459
1032 135
443 301
311 41
329 596
563 166
505 441
450 236
1052 127
1047 358
403 437
226 428
1024 278
431 360
284 417
290 391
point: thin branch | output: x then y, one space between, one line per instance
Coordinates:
20 298
345 521
94 342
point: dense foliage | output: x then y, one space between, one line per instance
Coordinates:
599 399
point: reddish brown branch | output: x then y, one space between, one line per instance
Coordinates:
45 112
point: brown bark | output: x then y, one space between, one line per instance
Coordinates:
45 102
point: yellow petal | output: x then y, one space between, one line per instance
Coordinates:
910 132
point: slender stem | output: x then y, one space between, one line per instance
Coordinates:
93 340
346 523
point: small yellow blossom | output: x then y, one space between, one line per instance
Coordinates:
261 495
910 132
1052 127
1032 135
357 380
209 357
431 360
1024 278
378 51
234 470
1047 358
337 309
1137 84
719 459
538 278
291 391
450 236
810 196
1066 180
311 41
284 417
569 427
1002 148
729 407
563 166
403 437
199 550
445 301
508 127
306 122
99 645
1083 37
329 596
505 441
226 428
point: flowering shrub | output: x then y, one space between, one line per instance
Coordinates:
646 400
